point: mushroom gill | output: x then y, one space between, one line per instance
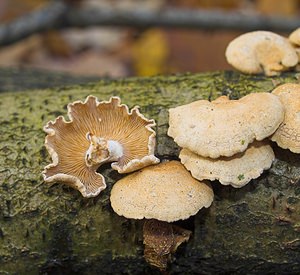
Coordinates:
97 133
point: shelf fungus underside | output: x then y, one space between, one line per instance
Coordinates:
97 133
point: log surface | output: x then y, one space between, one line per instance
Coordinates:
21 79
52 229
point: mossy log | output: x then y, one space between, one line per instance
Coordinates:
52 229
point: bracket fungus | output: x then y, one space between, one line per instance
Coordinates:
97 133
165 192
261 51
236 170
225 127
287 136
161 193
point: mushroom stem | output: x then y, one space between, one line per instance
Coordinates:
102 150
161 240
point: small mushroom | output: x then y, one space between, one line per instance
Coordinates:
261 51
165 192
97 133
287 136
225 127
162 193
237 170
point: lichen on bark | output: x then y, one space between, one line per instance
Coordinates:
51 228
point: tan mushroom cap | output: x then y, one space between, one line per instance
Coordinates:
225 127
165 192
287 136
97 132
294 37
261 51
237 170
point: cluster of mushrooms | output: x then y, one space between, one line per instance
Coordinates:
225 140
264 52
107 131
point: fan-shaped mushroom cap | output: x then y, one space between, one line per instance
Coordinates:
225 127
261 51
165 192
287 136
237 170
97 132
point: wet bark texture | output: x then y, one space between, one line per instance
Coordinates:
52 229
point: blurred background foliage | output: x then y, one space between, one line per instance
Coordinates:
120 52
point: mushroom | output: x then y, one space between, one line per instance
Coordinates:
165 192
294 37
237 170
97 133
161 193
261 51
225 127
287 136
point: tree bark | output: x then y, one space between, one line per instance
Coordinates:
52 229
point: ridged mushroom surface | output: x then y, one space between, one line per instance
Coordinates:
97 132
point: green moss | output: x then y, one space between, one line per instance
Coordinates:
241 177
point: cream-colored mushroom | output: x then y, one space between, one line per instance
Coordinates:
161 194
237 170
261 51
225 127
294 37
165 192
287 136
98 132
